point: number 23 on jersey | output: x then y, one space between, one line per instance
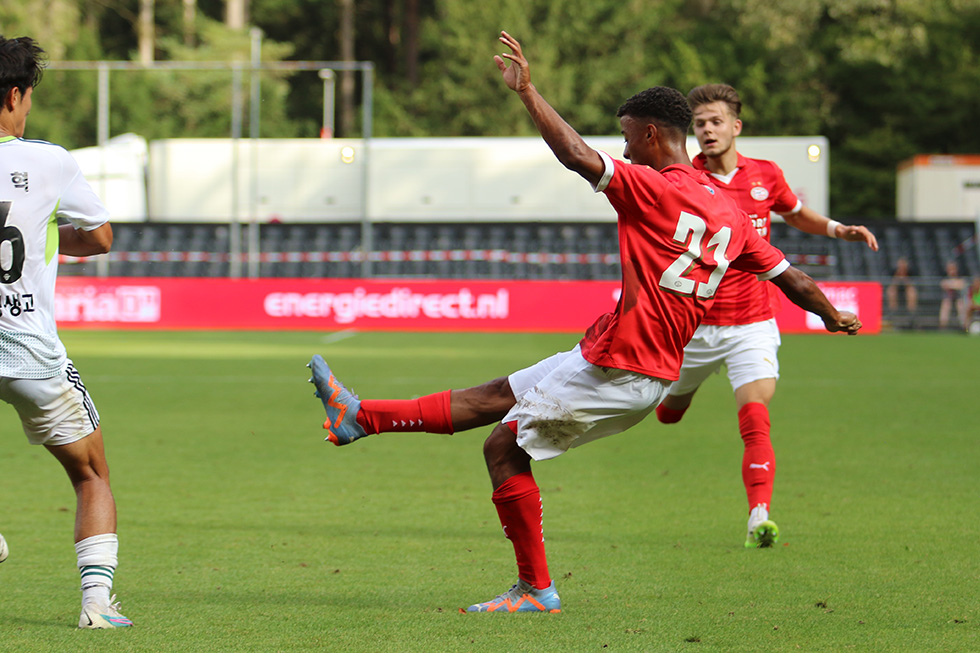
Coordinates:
677 277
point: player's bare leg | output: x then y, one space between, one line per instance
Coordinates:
518 501
84 461
96 543
758 460
481 405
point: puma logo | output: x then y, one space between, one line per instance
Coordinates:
764 466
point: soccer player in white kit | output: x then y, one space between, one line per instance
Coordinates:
739 330
39 183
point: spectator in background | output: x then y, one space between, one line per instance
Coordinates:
973 308
902 284
954 296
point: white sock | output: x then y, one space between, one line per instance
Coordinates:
97 562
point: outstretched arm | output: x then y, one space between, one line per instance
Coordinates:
564 141
800 289
811 222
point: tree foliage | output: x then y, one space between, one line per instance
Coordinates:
883 79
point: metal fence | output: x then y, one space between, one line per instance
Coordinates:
240 239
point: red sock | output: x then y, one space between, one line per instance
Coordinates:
518 503
669 415
759 460
429 414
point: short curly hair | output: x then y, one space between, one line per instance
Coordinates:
708 93
665 106
22 62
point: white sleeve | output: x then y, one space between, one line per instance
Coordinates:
79 204
796 209
607 175
775 272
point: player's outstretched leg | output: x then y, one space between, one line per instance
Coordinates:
341 405
522 597
103 616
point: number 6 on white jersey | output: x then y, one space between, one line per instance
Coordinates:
11 247
676 277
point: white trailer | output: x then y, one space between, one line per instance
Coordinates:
939 187
407 179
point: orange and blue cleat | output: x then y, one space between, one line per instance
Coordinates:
341 405
522 597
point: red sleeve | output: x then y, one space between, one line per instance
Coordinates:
784 200
759 257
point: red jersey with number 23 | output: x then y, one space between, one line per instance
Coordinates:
678 235
758 187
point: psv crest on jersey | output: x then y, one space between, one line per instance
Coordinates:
759 193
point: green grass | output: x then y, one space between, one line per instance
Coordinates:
240 529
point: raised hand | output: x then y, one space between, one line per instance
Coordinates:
517 75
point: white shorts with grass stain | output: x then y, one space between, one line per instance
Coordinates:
565 401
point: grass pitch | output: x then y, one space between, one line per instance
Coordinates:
241 530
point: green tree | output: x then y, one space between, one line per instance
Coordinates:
883 79
64 103
183 104
904 75
587 57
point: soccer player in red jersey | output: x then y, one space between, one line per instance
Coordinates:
739 330
678 236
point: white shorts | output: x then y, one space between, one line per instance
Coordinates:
747 350
565 401
53 411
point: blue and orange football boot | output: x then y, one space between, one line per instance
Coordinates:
340 403
522 597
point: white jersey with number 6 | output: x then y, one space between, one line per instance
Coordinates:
39 183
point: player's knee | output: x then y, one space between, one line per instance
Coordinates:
492 449
500 446
87 476
87 467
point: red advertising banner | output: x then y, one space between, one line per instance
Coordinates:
861 297
375 304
